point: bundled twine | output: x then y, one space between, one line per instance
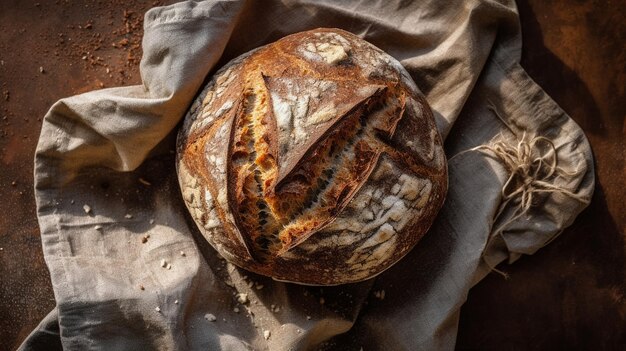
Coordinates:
531 173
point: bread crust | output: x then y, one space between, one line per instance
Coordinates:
314 159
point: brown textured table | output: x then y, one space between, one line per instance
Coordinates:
570 295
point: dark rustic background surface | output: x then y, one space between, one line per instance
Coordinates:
570 295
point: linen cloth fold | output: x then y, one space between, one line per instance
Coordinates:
130 270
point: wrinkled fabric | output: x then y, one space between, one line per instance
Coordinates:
111 214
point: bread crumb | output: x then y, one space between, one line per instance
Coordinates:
210 317
144 182
176 302
308 318
236 309
141 287
158 309
87 208
98 227
163 263
128 216
380 294
169 266
144 239
41 70
267 334
259 286
242 298
151 221
182 253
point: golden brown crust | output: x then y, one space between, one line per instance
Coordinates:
314 159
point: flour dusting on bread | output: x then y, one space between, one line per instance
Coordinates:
314 159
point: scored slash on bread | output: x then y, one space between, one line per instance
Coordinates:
281 141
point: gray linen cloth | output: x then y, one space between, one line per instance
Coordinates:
110 210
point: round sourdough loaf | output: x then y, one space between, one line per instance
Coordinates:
314 159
